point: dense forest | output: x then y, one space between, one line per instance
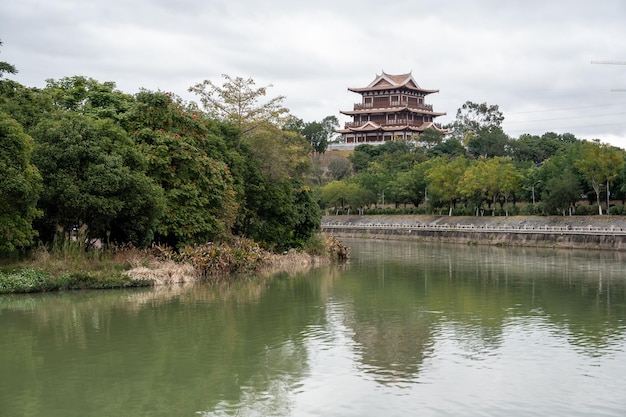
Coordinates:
80 155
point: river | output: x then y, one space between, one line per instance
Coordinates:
406 329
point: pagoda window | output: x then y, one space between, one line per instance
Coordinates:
381 101
395 100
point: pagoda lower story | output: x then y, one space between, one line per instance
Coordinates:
392 109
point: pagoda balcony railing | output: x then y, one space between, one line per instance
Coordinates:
393 104
397 122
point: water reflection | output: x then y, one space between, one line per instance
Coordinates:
405 327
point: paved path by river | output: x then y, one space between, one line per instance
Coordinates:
588 225
594 232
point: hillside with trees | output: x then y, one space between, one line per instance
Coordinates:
479 170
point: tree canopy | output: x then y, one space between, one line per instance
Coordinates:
20 185
6 68
238 101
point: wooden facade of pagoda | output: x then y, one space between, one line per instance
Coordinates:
392 107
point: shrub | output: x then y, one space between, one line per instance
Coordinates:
32 280
211 259
25 280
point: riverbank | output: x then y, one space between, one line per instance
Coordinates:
590 232
158 266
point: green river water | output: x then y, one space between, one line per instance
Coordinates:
406 329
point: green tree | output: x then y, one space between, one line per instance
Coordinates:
362 155
281 154
93 176
555 167
20 185
237 101
334 194
599 163
451 147
320 133
276 209
430 138
509 179
488 142
538 148
443 177
6 68
89 96
376 180
474 117
561 192
343 194
495 179
410 186
186 157
28 106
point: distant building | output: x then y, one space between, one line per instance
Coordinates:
392 107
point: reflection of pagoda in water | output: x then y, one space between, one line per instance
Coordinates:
392 107
392 350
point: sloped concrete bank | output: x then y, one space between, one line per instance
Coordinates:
591 232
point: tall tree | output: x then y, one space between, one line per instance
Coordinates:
488 142
411 185
237 100
443 177
28 106
88 96
430 138
538 148
20 185
93 176
473 117
494 179
319 134
451 147
599 163
6 68
561 192
186 157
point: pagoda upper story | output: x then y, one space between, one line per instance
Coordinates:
392 107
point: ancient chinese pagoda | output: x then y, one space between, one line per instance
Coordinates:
392 108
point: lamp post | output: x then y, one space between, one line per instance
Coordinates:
608 195
535 183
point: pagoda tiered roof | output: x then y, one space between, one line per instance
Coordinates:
386 81
375 127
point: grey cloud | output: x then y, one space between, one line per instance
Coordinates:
520 55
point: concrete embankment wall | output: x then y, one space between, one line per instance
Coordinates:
592 232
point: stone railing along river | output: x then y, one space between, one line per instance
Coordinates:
593 232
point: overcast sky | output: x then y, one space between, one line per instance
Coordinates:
532 58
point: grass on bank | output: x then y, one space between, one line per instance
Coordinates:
70 265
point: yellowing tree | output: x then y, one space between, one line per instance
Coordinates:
443 178
599 163
491 179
